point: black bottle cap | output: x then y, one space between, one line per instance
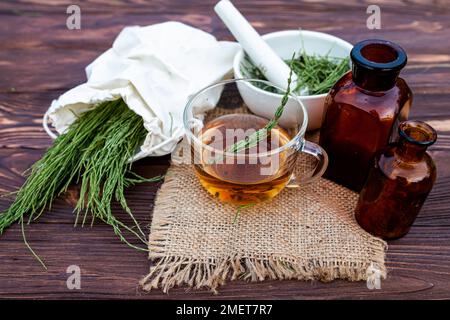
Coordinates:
376 64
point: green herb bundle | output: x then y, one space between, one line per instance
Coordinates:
94 152
316 74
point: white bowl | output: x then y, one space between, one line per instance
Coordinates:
284 43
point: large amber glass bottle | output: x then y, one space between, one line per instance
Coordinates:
398 183
362 110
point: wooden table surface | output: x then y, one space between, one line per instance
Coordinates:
40 59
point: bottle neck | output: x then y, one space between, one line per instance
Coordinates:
376 64
410 152
373 81
415 138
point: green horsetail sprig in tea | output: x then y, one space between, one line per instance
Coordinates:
94 152
261 134
253 139
317 74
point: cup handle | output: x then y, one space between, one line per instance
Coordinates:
320 154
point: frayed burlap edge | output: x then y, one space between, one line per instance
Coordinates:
169 271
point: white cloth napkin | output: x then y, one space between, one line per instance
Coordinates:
155 69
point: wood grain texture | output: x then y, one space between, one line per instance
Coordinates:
40 59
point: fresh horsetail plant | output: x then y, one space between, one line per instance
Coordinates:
95 153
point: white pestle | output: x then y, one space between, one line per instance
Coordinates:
272 66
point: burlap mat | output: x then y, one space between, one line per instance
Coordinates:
308 234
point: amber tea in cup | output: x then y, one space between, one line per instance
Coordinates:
245 182
250 175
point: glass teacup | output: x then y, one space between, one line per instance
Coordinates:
234 157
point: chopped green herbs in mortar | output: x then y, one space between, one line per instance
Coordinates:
94 153
316 74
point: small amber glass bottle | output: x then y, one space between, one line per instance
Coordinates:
363 109
398 183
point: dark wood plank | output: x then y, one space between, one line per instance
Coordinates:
43 61
40 59
163 6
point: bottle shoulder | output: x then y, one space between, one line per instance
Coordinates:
394 167
384 104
